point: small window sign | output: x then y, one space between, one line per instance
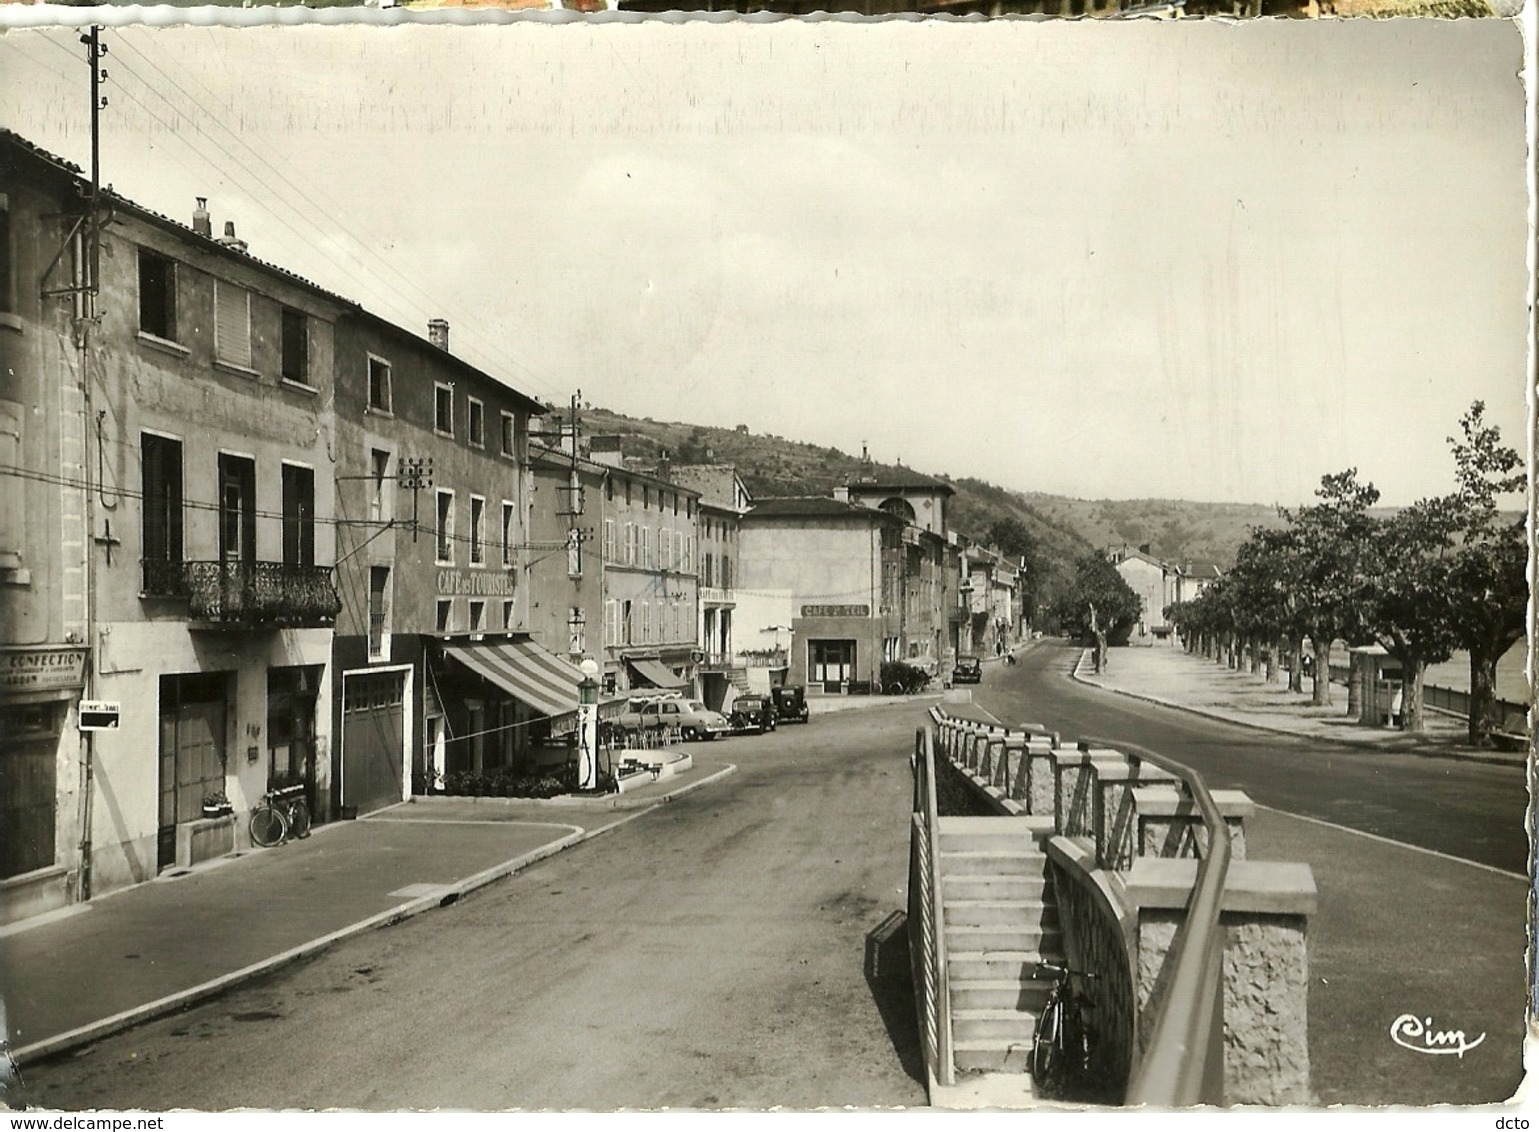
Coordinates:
99 715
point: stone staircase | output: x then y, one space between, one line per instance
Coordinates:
1001 918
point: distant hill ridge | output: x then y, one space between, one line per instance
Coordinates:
1062 527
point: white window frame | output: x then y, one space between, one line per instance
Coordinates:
443 537
442 624
477 615
609 540
220 356
471 405
477 532
509 529
509 614
508 438
646 548
388 408
443 387
630 544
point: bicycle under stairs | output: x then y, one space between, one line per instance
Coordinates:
1001 917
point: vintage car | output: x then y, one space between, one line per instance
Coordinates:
691 718
790 703
968 670
754 713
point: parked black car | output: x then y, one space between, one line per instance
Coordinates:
790 703
752 713
968 670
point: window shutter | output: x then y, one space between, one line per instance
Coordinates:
232 324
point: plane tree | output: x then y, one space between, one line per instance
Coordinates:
1098 603
1334 560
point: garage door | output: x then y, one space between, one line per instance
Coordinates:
373 739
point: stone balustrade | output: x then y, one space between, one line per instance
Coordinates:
1124 837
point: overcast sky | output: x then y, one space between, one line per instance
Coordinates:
1102 260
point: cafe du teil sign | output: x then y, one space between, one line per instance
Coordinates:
836 611
42 669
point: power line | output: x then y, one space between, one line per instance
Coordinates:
399 304
364 244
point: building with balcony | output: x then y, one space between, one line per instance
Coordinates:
187 546
724 498
431 492
648 540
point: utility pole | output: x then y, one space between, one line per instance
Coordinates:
87 313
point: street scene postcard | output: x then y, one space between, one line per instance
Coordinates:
620 563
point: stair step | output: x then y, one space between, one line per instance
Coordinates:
992 1024
997 886
999 913
992 862
1017 838
998 1057
999 994
1016 966
963 938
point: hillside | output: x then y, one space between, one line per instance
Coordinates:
1177 530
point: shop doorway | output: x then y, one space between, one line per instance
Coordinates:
193 752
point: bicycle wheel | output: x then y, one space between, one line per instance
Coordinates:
1046 1048
268 826
299 819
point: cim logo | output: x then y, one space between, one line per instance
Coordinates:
1417 1034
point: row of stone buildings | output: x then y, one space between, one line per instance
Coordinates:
252 534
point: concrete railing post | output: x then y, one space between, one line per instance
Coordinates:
1264 921
1169 824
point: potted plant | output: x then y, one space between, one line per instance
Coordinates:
216 804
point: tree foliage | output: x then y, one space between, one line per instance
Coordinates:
1446 573
1098 603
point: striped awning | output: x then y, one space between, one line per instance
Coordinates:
528 673
656 674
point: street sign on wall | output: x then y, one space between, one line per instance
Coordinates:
100 715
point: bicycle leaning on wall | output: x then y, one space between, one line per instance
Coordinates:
1064 1042
282 815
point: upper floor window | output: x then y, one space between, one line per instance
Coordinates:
443 408
379 465
379 609
161 483
475 422
296 347
445 546
298 515
157 294
508 513
7 285
379 385
232 324
509 435
477 531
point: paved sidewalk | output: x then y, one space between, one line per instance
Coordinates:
1167 675
74 976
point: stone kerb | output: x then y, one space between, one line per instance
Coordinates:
1169 823
1264 921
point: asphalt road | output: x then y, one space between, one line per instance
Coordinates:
721 951
713 953
1473 811
1398 930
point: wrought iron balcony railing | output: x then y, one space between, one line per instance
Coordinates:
275 594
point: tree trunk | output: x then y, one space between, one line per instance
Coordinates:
1296 665
1485 717
1413 675
1322 680
1357 674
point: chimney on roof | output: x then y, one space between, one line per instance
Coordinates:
438 333
201 224
230 239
